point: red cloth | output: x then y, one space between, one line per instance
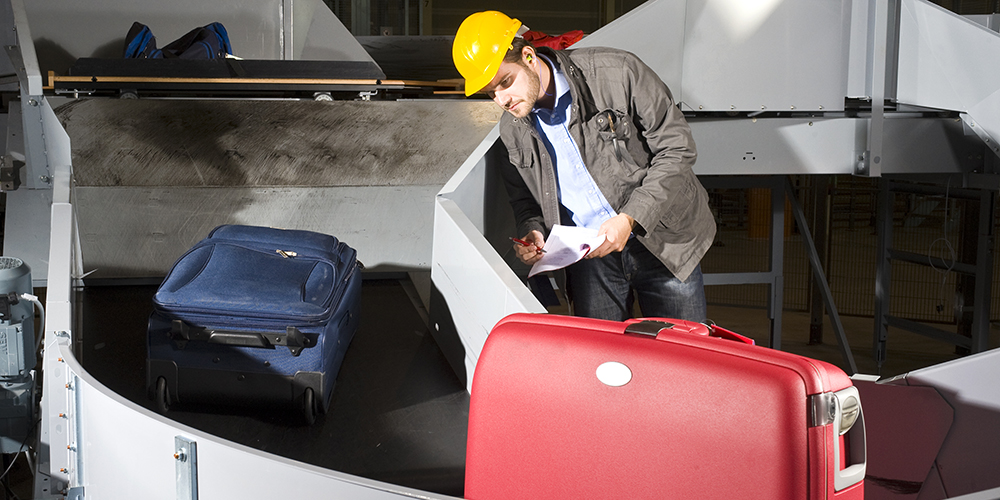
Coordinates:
539 39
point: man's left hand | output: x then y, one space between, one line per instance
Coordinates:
616 231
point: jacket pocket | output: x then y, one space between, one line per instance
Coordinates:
520 157
616 133
680 207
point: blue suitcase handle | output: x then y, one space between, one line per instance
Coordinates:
292 338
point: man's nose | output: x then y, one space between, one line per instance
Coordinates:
502 99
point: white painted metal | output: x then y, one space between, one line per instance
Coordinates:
968 459
389 226
776 145
664 54
322 37
735 55
129 453
255 28
479 287
27 223
766 55
991 21
781 146
26 230
859 62
94 439
871 163
56 452
991 494
29 59
937 69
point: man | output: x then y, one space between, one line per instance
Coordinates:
596 140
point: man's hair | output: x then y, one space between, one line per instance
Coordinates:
517 45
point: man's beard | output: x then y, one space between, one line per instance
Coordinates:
534 86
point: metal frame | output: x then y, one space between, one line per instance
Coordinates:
982 270
84 423
85 427
820 279
781 187
774 276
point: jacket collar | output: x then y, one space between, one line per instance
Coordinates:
583 101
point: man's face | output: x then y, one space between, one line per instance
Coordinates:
515 88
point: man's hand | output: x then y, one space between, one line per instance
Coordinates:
530 254
616 231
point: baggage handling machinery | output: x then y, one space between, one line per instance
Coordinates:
84 424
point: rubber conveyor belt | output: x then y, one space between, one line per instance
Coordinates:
399 414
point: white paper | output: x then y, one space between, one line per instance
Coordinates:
564 246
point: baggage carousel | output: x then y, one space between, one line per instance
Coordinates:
399 413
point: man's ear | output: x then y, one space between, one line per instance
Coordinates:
528 54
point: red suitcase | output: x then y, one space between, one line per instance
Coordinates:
565 407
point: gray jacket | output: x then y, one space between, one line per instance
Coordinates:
645 173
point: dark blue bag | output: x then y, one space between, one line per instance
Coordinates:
207 42
254 315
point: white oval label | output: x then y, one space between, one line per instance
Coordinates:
614 374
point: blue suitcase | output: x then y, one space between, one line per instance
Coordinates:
257 316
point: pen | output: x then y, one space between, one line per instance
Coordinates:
525 243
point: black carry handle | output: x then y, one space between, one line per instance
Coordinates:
292 338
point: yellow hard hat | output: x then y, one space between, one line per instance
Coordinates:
480 45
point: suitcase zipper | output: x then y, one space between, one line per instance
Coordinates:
261 319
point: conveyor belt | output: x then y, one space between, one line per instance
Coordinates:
399 414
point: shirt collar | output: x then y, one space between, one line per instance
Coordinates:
562 88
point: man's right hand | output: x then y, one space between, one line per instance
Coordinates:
530 254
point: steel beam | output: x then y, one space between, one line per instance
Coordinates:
820 276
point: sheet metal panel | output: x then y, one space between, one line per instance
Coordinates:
140 232
83 422
123 440
477 284
937 69
775 146
153 177
784 146
970 456
663 52
140 142
771 55
64 31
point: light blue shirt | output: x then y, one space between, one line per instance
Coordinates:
578 193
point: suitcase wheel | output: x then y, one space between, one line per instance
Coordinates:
309 406
162 395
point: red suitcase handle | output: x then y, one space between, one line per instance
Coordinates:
722 333
651 327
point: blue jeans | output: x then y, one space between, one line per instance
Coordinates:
605 287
